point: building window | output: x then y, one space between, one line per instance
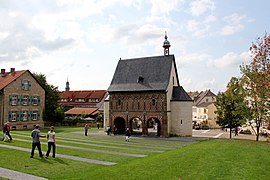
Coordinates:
24 100
14 116
26 85
153 102
34 100
14 100
119 102
35 115
24 115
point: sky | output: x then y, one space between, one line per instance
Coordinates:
83 40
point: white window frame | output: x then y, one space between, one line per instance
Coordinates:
35 100
25 100
24 115
14 100
34 115
14 116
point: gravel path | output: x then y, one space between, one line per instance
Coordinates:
10 174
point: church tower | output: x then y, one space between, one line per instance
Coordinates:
166 45
67 86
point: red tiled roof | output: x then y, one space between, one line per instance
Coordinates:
10 77
86 111
87 94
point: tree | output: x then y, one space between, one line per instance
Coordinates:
53 111
232 108
256 77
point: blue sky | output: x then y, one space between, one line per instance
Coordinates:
82 40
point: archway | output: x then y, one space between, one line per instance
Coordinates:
153 127
120 125
136 126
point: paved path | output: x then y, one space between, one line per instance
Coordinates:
218 133
89 149
10 174
64 156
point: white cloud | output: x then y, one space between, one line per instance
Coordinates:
200 7
201 28
231 59
23 40
164 7
234 24
193 58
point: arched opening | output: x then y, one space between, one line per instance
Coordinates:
153 127
120 125
136 126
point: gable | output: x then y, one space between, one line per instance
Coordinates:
142 74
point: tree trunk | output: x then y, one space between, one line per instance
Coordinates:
230 132
258 132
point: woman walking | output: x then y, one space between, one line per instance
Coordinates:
51 142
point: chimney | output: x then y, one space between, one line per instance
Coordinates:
3 71
12 70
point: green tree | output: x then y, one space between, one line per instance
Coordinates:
232 108
256 77
53 111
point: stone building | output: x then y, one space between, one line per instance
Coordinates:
21 99
145 93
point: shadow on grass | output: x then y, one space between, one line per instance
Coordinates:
60 161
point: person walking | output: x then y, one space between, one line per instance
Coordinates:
35 141
6 130
51 142
127 134
86 127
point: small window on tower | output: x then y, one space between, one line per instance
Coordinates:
140 79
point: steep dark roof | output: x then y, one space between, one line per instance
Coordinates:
198 99
143 74
179 94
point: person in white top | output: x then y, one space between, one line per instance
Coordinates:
51 142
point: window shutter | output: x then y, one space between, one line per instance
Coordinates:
20 115
32 100
10 100
29 116
18 100
29 85
38 100
38 115
9 115
29 100
22 84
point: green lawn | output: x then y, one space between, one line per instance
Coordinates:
211 159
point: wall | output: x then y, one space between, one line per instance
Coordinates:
15 88
181 110
212 117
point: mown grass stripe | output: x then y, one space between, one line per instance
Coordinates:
63 156
104 146
89 149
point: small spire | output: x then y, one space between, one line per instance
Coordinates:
67 85
166 45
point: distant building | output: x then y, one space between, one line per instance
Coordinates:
145 94
21 99
203 109
82 101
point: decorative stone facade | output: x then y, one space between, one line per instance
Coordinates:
141 105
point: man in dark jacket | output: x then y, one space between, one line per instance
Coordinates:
127 134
